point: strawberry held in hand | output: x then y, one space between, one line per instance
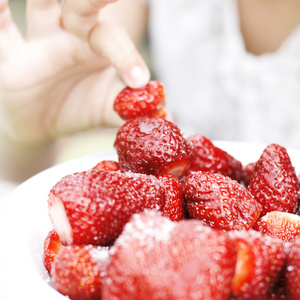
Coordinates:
167 260
91 207
220 201
274 183
78 270
153 146
147 101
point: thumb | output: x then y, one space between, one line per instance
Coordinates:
111 40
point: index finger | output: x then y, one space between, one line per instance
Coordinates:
80 16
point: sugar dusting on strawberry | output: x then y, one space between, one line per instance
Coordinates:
182 260
78 270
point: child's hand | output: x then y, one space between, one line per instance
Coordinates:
62 78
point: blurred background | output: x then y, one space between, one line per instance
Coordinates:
18 11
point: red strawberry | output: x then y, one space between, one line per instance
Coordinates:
248 171
52 246
78 270
147 101
107 165
220 201
172 260
174 205
92 207
153 146
274 183
293 270
260 260
209 158
280 225
279 290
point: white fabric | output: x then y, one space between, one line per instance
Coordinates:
216 88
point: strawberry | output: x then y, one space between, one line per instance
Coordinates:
279 290
209 158
52 246
107 165
220 201
260 260
78 270
172 260
153 146
274 183
91 207
174 205
248 171
147 101
293 270
280 225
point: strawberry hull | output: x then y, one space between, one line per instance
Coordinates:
92 207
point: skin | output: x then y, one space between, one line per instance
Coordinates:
266 24
62 77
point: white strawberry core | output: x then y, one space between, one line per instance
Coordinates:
277 216
177 171
60 221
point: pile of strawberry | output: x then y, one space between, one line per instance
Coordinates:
174 217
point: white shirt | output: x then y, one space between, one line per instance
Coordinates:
214 86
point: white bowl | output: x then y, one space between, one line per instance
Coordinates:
24 223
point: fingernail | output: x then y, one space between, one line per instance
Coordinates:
138 77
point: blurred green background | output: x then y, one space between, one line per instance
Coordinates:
18 12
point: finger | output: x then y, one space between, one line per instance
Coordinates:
43 17
112 41
10 36
80 16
